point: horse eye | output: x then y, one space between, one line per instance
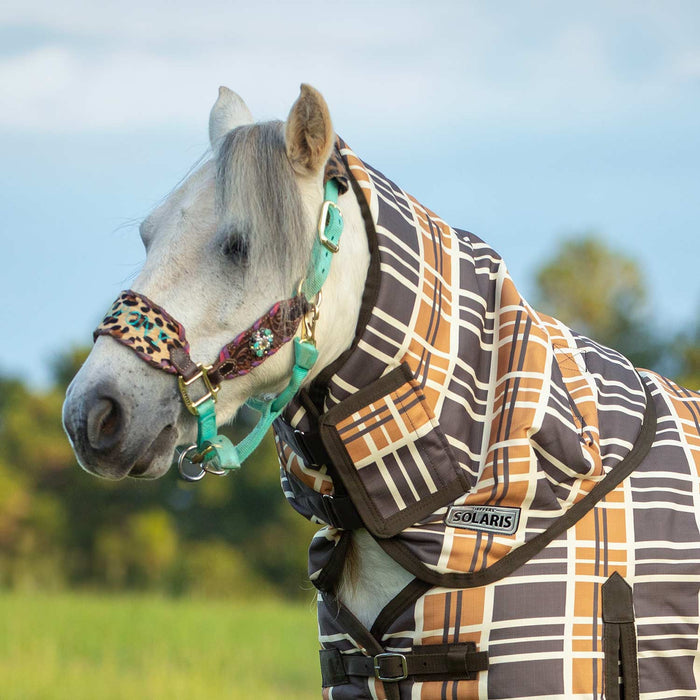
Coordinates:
235 249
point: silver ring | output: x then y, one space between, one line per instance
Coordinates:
216 472
180 468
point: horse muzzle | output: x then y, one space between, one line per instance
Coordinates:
116 431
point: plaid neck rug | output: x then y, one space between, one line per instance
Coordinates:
543 492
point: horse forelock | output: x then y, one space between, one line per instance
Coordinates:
258 198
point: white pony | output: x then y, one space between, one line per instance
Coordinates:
123 418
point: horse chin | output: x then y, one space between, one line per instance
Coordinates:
158 457
150 463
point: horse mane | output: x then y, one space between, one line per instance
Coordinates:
260 203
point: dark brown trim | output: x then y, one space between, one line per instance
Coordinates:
403 599
391 381
509 563
380 525
350 624
362 636
426 663
619 640
328 578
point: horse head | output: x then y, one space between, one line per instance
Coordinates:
235 237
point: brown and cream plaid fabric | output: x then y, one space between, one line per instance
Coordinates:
482 443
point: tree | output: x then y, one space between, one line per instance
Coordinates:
600 293
66 365
140 551
60 525
687 350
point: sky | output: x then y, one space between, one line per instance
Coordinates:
524 122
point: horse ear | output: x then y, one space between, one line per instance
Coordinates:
228 112
309 132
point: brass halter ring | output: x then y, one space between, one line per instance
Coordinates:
308 323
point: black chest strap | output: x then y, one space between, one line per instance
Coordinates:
432 662
429 662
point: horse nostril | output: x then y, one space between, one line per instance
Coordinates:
104 424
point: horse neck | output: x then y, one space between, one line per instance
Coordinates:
370 578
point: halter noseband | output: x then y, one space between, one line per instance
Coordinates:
159 339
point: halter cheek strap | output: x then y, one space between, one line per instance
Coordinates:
159 339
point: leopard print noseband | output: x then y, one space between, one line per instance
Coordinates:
159 339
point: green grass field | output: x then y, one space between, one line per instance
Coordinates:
84 646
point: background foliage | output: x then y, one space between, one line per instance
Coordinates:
60 527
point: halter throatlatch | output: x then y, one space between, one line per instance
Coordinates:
159 339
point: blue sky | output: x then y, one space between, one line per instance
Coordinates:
521 121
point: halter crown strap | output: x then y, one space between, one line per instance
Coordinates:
326 244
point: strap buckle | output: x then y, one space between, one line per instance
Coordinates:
183 385
322 224
340 512
378 674
308 323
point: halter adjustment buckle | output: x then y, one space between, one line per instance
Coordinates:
322 223
183 385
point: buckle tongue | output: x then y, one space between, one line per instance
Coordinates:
378 667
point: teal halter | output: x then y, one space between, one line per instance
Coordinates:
159 339
215 453
218 454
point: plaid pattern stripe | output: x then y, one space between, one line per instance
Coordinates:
380 439
386 425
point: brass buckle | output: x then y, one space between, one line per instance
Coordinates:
212 390
308 322
390 679
327 242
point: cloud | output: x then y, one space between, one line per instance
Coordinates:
409 66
